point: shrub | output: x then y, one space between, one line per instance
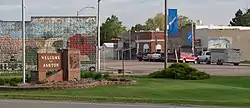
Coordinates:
85 74
16 80
11 74
13 83
28 77
157 74
106 76
180 71
97 76
2 81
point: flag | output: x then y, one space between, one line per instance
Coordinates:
190 38
172 22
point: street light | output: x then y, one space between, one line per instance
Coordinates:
98 37
166 36
23 39
83 9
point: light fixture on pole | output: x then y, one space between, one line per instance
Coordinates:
83 9
166 37
23 38
98 37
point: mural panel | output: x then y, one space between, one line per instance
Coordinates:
44 34
218 43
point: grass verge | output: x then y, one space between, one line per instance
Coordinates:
226 91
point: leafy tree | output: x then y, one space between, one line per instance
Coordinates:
158 22
238 19
184 20
138 27
241 18
110 28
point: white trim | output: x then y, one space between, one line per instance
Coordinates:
152 40
222 27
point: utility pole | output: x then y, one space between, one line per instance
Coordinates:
193 37
23 40
166 36
156 37
130 45
99 37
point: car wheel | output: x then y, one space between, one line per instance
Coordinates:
207 61
184 61
92 69
196 61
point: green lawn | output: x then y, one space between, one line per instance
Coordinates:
215 91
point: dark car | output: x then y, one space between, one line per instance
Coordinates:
142 56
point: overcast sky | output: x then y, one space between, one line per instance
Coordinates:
217 12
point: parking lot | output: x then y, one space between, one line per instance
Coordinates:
143 68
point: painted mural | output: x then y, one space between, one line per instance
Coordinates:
49 26
218 43
49 33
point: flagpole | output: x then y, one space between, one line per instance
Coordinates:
166 37
23 38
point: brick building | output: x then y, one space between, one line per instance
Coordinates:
144 41
205 37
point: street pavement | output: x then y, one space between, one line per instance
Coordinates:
144 68
64 104
68 104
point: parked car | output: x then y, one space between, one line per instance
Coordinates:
188 57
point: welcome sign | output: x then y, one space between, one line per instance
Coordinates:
49 61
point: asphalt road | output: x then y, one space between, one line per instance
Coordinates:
143 68
61 104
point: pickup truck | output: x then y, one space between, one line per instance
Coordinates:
188 57
220 56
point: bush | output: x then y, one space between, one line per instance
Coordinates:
16 80
97 76
85 74
11 74
13 83
2 81
94 75
106 76
180 71
28 77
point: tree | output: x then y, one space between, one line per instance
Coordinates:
138 27
158 22
110 28
238 19
241 18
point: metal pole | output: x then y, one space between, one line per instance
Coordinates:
192 37
104 58
166 37
130 45
137 46
99 37
23 34
123 70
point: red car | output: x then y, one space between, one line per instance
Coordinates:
188 57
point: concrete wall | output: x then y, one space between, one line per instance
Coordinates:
238 39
